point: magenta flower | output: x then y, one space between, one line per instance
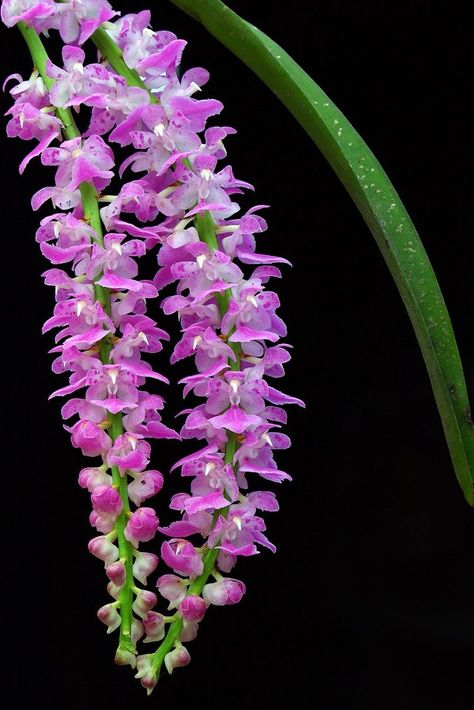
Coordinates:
105 550
226 591
106 499
182 557
91 439
116 573
146 485
141 526
29 11
154 626
192 608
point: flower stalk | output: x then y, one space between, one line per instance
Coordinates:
230 327
91 215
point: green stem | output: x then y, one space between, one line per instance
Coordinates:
92 216
206 228
125 548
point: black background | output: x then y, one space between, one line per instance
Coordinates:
368 603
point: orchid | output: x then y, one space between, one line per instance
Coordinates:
186 203
175 196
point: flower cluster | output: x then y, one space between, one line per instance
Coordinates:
182 203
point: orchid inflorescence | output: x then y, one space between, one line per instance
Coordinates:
183 206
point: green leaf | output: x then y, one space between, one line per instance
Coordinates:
376 198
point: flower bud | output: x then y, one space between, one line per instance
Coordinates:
91 439
137 630
125 658
189 632
182 557
142 526
154 625
113 590
103 523
192 608
91 477
109 616
227 591
116 573
146 674
146 485
172 588
105 550
177 658
145 563
144 601
106 499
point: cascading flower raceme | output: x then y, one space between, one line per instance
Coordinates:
181 203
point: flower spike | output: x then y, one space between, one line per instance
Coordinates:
174 195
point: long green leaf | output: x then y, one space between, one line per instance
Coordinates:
381 208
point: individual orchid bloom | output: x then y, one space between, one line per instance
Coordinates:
114 257
109 616
141 526
145 564
172 588
91 478
130 452
111 108
210 351
78 19
192 608
226 591
81 162
182 557
155 627
146 485
144 603
135 38
77 84
90 438
29 122
117 573
106 499
31 12
200 183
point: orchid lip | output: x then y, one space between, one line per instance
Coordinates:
80 307
117 247
206 174
210 466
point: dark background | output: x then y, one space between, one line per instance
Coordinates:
368 603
